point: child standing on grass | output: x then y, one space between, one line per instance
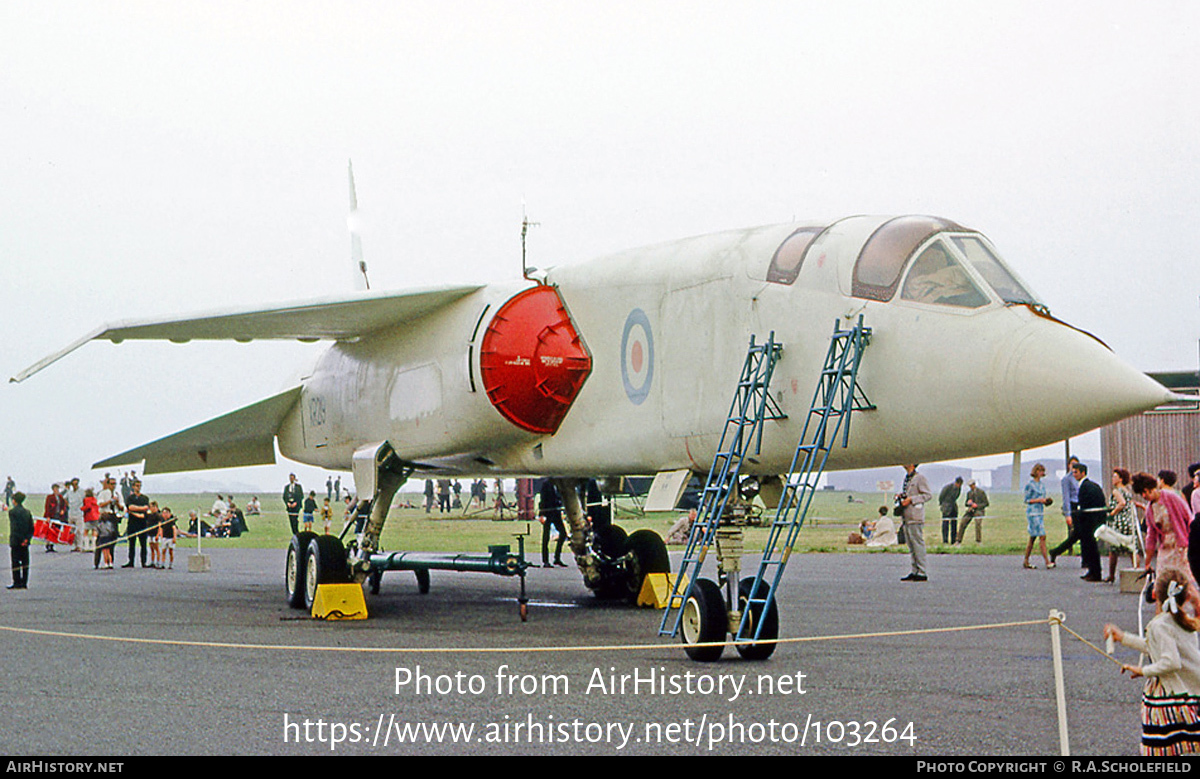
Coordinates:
327 515
310 508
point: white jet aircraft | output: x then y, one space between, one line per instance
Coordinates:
626 365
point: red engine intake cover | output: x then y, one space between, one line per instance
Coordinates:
533 361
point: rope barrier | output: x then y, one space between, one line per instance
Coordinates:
99 547
135 534
1054 621
1085 642
589 648
495 650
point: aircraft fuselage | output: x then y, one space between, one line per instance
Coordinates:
963 360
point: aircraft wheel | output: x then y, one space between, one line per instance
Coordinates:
295 569
649 556
326 564
374 580
705 620
612 541
769 619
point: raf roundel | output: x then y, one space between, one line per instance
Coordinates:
637 356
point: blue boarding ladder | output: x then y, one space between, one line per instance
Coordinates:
836 397
752 405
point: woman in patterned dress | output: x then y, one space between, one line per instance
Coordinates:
1170 706
1122 517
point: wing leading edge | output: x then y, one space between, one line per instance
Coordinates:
338 318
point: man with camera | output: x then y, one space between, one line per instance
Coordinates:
911 505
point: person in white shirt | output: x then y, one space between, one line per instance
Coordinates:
1171 697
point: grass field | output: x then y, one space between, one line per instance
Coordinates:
830 521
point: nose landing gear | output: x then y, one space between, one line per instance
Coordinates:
713 610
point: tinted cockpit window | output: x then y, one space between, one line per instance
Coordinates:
936 277
993 270
785 265
877 272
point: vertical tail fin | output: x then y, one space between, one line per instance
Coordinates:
361 282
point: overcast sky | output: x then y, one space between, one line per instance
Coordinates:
167 157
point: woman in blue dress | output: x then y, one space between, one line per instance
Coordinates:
1036 502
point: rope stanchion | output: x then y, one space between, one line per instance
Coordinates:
1057 622
1060 688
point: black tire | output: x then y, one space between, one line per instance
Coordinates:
649 556
325 564
612 541
704 620
295 569
769 618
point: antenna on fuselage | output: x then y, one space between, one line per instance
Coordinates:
361 282
525 225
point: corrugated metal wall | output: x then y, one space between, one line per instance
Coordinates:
1151 442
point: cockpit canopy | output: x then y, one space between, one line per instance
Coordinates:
926 259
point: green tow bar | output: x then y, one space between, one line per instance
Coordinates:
499 560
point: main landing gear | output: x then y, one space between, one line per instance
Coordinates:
622 562
613 564
313 560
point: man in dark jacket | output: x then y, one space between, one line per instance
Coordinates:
293 496
1086 517
948 503
20 531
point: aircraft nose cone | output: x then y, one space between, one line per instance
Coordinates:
1060 380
